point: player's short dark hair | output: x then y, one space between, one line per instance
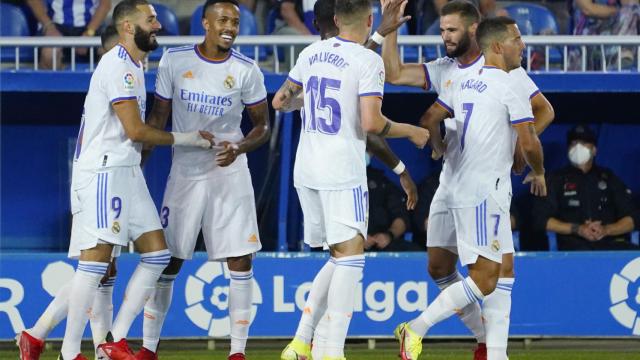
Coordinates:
126 8
108 34
467 11
348 9
494 29
213 2
323 11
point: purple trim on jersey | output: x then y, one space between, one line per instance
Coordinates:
375 93
489 67
523 120
123 98
179 49
294 81
255 102
343 40
533 94
206 59
427 78
445 106
239 56
464 66
130 57
161 97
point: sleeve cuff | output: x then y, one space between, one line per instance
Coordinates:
445 106
253 103
520 121
162 97
375 93
294 81
427 79
123 98
533 94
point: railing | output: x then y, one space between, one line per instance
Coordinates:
557 50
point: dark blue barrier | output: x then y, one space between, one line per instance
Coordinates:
559 294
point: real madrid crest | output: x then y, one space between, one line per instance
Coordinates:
115 228
229 82
495 245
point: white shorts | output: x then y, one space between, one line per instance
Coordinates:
441 230
113 206
223 207
334 216
484 230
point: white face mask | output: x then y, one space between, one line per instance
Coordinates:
579 154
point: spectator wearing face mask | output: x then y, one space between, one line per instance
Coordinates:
587 206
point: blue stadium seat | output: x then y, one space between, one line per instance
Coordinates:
410 52
169 22
13 22
248 26
536 19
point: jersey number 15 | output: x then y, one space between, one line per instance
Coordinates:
319 100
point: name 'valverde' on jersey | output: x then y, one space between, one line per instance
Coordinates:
334 74
207 95
485 105
102 141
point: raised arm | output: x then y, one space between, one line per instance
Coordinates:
392 18
589 8
396 72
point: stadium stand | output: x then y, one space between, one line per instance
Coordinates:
13 22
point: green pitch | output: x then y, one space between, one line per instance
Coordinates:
359 354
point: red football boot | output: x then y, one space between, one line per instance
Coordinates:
146 354
30 347
115 351
236 356
480 353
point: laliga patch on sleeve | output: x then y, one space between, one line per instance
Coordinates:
381 78
128 80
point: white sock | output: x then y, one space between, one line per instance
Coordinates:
471 315
340 302
496 310
83 292
53 315
155 311
101 316
240 296
320 338
450 300
139 289
316 304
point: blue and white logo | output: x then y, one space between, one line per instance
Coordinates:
624 291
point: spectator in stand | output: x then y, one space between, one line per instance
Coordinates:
68 18
388 215
605 17
296 18
587 206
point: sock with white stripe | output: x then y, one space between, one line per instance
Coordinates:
340 302
155 311
139 289
316 304
240 297
101 316
471 315
496 310
450 300
54 314
81 296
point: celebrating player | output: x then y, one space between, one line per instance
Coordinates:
490 114
343 83
209 85
458 26
110 201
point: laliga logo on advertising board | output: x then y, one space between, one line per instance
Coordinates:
207 297
624 291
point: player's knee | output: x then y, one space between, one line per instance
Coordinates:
240 263
439 270
174 266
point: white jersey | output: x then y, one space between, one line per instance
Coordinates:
439 74
207 95
486 104
334 74
102 141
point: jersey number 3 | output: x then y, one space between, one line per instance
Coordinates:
319 100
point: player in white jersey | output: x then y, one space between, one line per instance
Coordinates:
343 85
110 202
489 113
208 86
458 23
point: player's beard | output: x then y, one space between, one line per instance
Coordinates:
143 39
463 45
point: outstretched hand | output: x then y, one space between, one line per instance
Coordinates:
538 184
392 16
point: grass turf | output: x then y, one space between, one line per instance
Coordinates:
361 354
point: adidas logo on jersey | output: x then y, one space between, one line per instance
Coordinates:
253 238
188 75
